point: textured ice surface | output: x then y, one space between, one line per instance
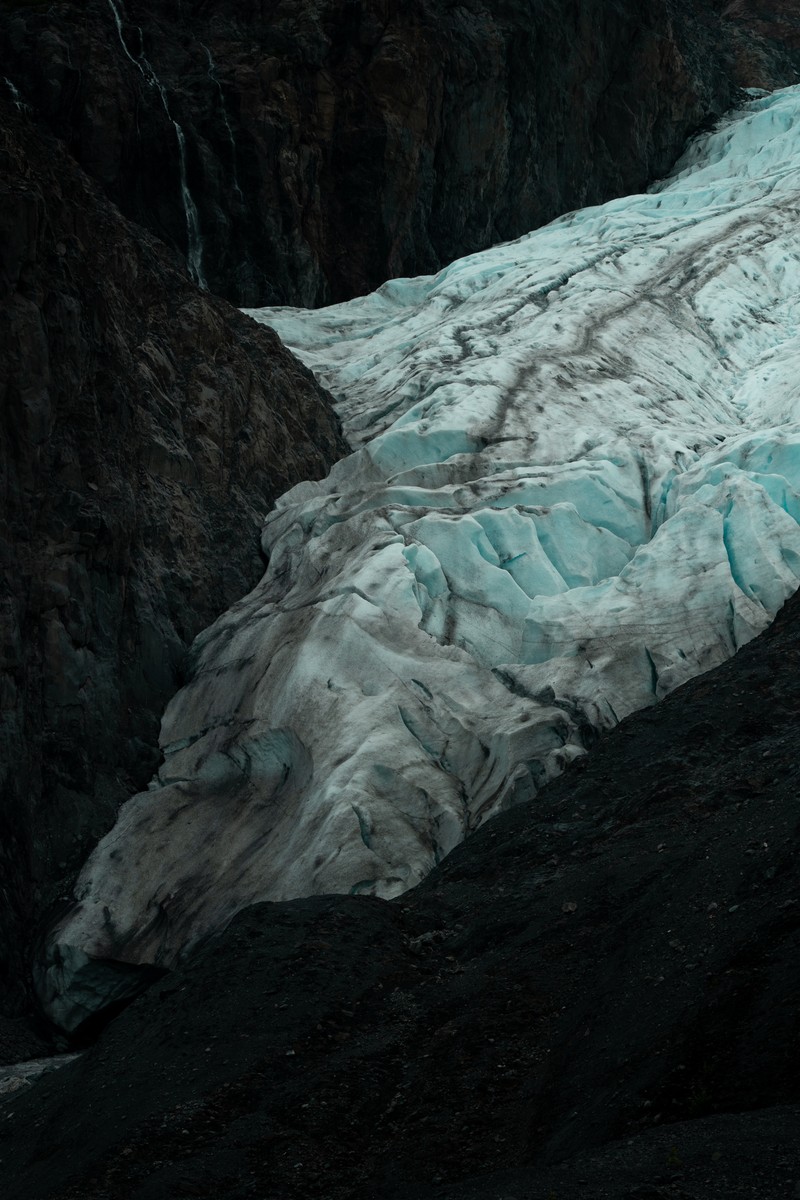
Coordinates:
575 486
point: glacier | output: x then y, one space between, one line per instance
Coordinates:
575 484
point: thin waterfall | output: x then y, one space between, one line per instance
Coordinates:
194 239
194 256
212 74
16 99
120 31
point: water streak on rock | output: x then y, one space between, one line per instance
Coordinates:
214 77
194 239
17 100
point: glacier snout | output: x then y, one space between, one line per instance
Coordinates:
575 485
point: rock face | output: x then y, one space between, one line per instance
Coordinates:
146 428
330 145
594 996
541 531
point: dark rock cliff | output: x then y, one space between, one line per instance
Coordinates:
333 144
146 428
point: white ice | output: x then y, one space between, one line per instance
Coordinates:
575 487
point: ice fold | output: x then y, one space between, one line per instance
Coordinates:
574 486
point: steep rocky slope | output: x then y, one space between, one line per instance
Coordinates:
595 996
146 428
330 145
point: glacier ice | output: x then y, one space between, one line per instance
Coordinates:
574 486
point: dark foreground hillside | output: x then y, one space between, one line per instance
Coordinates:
595 996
